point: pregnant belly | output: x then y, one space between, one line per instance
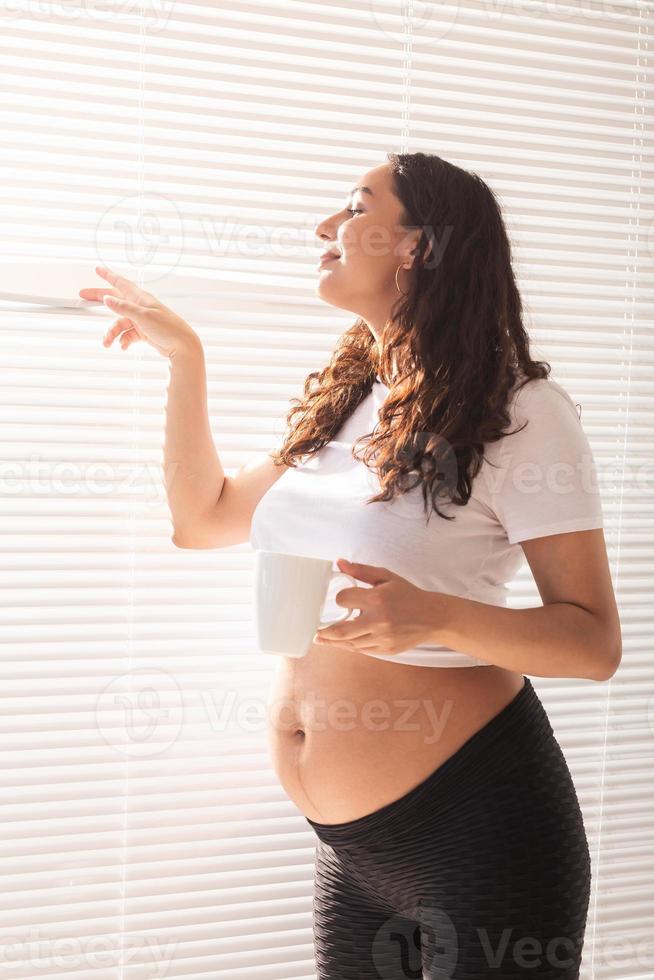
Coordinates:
349 733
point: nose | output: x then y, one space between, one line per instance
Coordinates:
326 229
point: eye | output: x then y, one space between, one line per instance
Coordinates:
354 210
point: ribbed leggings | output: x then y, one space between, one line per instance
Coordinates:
480 871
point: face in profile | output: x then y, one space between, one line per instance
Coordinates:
366 243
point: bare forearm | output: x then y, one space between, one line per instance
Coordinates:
559 639
192 470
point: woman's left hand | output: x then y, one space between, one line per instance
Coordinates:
395 614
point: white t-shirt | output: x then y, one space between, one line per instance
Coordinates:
545 483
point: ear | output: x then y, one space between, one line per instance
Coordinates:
416 247
427 248
409 248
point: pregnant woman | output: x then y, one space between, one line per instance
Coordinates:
431 457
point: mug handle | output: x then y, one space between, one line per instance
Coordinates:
348 612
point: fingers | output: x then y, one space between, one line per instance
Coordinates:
124 307
347 630
372 574
128 338
365 643
355 597
122 326
360 644
97 295
126 287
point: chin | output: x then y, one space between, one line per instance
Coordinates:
330 294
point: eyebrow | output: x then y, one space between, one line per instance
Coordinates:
363 189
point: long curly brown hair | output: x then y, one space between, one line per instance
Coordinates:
456 341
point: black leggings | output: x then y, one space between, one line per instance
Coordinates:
482 870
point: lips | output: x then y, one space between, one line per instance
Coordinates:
328 256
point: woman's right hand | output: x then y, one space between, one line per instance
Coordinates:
140 316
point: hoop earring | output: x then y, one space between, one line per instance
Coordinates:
396 282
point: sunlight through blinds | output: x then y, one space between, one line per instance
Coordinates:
193 146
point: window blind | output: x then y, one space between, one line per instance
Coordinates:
193 147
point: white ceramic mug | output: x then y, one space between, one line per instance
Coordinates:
289 595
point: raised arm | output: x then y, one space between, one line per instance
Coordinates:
208 509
